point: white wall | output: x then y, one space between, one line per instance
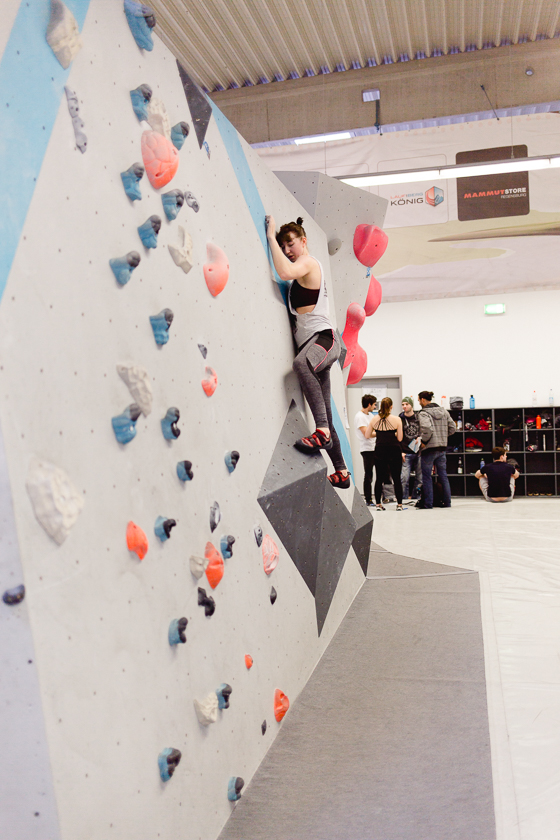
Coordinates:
452 348
113 692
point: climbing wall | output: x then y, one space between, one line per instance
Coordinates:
148 410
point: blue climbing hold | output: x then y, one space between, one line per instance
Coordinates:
172 202
179 134
131 178
122 267
168 760
169 424
235 786
162 528
124 425
226 546
140 98
141 20
231 459
223 694
14 596
148 232
176 632
184 470
160 325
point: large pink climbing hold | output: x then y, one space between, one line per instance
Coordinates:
161 158
358 366
355 317
374 295
270 554
370 243
216 270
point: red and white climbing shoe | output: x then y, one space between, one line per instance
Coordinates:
338 479
318 440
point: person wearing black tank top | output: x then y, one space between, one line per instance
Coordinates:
388 431
318 344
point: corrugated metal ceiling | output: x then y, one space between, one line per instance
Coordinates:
234 43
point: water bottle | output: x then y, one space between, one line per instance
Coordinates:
460 467
481 463
471 402
534 398
550 397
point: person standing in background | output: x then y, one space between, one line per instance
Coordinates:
436 425
367 445
388 453
411 459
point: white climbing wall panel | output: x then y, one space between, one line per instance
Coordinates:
113 692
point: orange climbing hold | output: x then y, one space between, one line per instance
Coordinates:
216 270
211 382
270 554
370 243
248 661
136 540
161 158
281 704
374 295
215 567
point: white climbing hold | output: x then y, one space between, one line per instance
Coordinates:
63 34
183 255
137 381
198 565
157 117
207 709
56 502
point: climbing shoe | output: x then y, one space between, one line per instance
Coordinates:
318 440
338 479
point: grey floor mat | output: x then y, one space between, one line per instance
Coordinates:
389 739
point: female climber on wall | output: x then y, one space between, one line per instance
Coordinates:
318 344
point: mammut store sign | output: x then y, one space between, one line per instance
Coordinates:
492 196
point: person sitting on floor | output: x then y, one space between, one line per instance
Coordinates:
497 480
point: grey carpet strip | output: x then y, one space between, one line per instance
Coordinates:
389 739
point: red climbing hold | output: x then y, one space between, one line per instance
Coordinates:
270 554
370 243
160 157
355 317
211 382
358 366
248 661
281 704
215 567
136 540
374 295
216 270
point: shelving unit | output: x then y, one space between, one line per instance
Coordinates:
539 470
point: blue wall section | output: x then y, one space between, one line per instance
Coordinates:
247 183
344 442
31 85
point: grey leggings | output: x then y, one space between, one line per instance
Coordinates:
313 367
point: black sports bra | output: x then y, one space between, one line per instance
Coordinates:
300 296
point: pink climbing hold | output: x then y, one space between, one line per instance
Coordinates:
356 356
216 270
211 382
161 158
374 295
370 243
270 554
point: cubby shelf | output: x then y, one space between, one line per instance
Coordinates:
539 470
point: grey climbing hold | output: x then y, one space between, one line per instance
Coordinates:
203 350
14 596
273 595
215 516
263 727
77 122
334 246
192 202
258 532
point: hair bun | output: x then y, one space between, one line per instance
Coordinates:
299 221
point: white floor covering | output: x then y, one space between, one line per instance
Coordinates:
515 547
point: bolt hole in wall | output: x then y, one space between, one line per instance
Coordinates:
379 386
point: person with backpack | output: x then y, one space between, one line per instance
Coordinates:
436 425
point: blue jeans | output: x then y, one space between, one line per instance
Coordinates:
429 458
411 462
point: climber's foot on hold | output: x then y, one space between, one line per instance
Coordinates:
320 439
340 479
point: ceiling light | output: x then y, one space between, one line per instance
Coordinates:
495 309
323 138
370 95
529 71
409 176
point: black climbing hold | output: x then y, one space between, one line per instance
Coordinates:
273 595
215 515
263 727
258 532
223 694
14 596
203 350
206 601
